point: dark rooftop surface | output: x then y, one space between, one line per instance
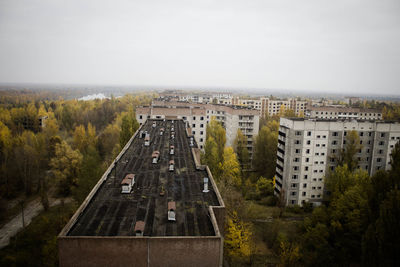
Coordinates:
110 213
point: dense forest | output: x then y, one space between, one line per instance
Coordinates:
52 148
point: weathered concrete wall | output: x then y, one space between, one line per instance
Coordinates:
137 251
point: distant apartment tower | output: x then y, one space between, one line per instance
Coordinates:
272 107
328 112
197 116
308 149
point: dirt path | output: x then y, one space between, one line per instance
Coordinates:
31 210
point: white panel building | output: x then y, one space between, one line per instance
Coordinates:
308 149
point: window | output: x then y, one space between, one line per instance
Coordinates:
321 171
335 134
317 154
313 188
320 179
297 151
381 143
308 142
202 118
379 160
304 185
140 117
294 185
294 177
201 139
297 133
308 151
305 177
308 133
334 142
304 194
318 136
382 134
296 159
315 162
194 118
201 125
193 132
297 142
293 193
306 168
201 132
312 196
296 168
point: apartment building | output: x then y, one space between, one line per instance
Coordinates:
197 116
163 217
272 107
331 112
308 150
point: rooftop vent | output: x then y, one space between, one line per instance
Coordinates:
147 140
205 190
171 211
171 165
139 228
191 141
155 156
127 183
171 149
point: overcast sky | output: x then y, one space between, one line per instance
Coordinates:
343 46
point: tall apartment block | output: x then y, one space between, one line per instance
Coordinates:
271 107
308 149
197 116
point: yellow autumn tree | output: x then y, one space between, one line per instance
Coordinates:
238 238
230 168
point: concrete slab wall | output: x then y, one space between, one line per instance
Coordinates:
137 251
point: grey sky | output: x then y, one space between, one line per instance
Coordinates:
344 46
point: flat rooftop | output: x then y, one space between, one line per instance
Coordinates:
111 213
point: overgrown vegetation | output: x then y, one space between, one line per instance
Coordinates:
66 154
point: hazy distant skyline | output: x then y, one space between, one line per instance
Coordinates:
343 46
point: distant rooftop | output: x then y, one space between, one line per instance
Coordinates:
111 213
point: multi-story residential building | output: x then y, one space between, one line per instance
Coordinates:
330 112
272 107
251 103
308 149
198 115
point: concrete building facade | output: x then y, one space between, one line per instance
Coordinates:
198 116
332 113
308 150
